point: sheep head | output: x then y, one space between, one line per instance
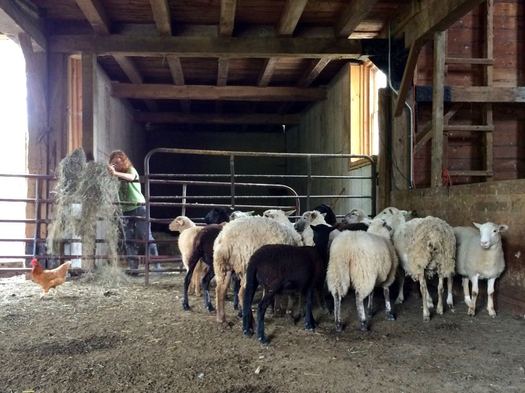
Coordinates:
490 234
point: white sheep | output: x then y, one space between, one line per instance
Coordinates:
234 246
479 256
188 230
425 246
282 218
238 214
362 260
355 216
308 219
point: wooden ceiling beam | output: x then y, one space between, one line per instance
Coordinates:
95 13
222 72
161 15
23 21
210 118
426 17
353 14
227 21
216 93
132 45
313 72
293 10
266 73
177 74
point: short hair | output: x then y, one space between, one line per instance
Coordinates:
126 162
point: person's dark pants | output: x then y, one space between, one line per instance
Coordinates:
137 229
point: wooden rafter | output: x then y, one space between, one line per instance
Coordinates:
313 72
133 74
161 15
429 16
30 24
222 72
227 21
206 47
293 10
96 15
213 93
266 73
178 77
353 14
408 76
184 118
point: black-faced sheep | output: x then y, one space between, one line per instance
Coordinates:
217 215
479 256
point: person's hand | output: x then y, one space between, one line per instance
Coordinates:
111 169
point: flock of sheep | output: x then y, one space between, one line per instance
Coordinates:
317 253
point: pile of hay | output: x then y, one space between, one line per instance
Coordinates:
92 186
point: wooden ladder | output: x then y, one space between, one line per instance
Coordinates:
487 128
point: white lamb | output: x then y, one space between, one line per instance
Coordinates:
362 260
238 214
234 246
425 246
282 218
188 230
355 216
479 256
312 217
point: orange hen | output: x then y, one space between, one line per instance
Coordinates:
48 279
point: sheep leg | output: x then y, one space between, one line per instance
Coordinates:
430 303
400 296
370 307
261 311
439 308
490 300
424 294
242 288
236 286
388 308
309 322
450 300
466 290
222 279
359 301
187 280
475 291
205 283
337 313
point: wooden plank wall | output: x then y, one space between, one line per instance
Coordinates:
466 39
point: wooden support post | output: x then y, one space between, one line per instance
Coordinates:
437 109
88 86
408 75
489 77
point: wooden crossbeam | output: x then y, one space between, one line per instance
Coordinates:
471 173
227 21
214 93
353 14
293 10
178 77
487 94
468 60
430 16
425 134
313 72
136 45
469 128
95 13
222 72
161 15
200 118
266 73
31 25
408 76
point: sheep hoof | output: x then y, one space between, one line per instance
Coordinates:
471 312
426 318
239 314
451 308
390 316
492 314
264 340
235 306
210 308
248 332
363 326
185 306
339 327
439 310
309 327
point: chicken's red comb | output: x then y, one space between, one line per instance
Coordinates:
34 262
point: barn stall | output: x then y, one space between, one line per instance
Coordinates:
255 105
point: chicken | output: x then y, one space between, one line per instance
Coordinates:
48 279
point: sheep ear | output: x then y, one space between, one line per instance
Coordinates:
503 228
323 214
477 225
290 212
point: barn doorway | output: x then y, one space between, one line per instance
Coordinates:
13 149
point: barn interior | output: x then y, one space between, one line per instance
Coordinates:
416 104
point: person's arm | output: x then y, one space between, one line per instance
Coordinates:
122 175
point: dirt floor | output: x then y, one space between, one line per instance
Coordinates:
131 338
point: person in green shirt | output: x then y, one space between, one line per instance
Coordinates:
136 227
